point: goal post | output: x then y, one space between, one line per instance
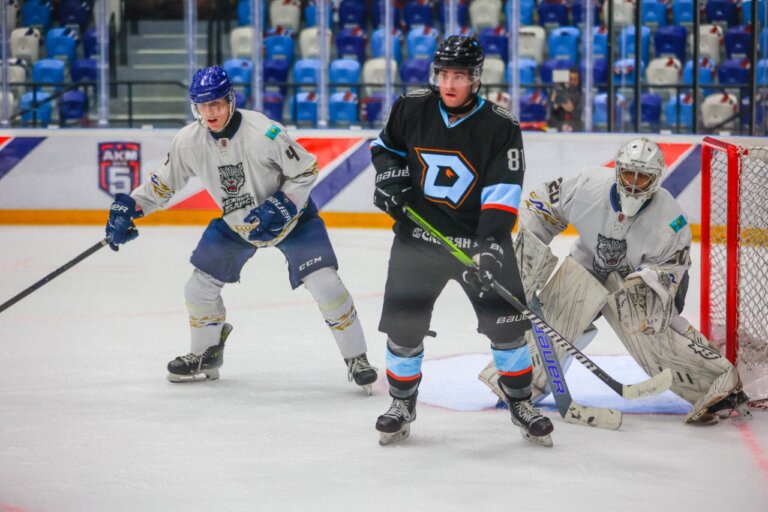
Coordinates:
734 256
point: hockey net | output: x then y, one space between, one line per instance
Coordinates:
734 254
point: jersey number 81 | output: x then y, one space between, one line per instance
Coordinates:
515 159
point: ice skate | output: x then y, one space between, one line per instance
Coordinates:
395 424
195 368
533 426
361 371
736 401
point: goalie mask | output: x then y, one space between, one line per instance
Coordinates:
639 166
458 52
209 84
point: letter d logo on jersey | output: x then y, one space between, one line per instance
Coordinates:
119 167
447 177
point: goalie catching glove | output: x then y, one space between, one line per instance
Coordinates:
120 227
644 304
393 191
489 264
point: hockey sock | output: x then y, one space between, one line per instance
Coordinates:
515 372
338 310
206 310
403 369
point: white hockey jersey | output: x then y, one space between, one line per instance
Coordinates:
239 173
658 237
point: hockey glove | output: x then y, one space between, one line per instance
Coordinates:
393 192
120 227
271 217
489 264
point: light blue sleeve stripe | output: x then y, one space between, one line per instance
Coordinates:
379 142
514 360
504 194
404 366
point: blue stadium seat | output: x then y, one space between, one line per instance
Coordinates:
746 11
627 43
351 14
600 110
344 74
707 68
723 11
734 72
624 71
274 103
415 72
84 70
679 111
682 12
462 13
244 13
275 75
377 44
533 107
310 16
762 72
422 42
279 47
240 72
304 108
745 112
763 43
599 41
671 40
599 73
37 14
306 71
350 44
90 43
563 43
42 113
738 42
552 15
343 107
495 42
377 14
73 105
61 43
552 64
650 111
49 71
654 14
527 72
75 14
417 13
577 13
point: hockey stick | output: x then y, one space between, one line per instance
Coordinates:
92 249
653 386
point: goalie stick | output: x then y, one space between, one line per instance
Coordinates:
80 257
653 386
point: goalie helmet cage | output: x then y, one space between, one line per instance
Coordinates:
734 257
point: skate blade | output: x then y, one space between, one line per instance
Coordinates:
540 440
196 377
368 388
386 438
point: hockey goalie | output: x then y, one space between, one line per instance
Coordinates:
629 264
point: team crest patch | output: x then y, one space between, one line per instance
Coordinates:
119 167
678 224
232 178
609 255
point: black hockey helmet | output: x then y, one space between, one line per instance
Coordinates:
458 52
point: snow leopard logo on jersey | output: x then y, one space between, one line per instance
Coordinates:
232 178
609 255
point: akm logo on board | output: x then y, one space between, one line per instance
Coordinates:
119 167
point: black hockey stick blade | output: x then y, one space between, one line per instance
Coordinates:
653 386
80 257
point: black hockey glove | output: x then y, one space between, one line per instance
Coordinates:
489 264
393 191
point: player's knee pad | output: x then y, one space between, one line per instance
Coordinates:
202 294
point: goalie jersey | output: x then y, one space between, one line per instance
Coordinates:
468 174
240 167
657 237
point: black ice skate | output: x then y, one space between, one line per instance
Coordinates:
194 368
395 424
533 426
361 371
736 401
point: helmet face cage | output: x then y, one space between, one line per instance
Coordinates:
458 52
209 84
639 166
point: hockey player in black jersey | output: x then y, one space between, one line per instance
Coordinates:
458 161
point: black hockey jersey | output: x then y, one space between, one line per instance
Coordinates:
468 174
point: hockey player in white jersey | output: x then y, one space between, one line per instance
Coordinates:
261 179
630 262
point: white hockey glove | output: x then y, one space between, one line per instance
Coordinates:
535 260
645 302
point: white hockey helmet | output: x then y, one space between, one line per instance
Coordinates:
639 166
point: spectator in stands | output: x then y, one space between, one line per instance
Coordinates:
566 104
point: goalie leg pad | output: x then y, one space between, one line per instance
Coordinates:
535 260
695 368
